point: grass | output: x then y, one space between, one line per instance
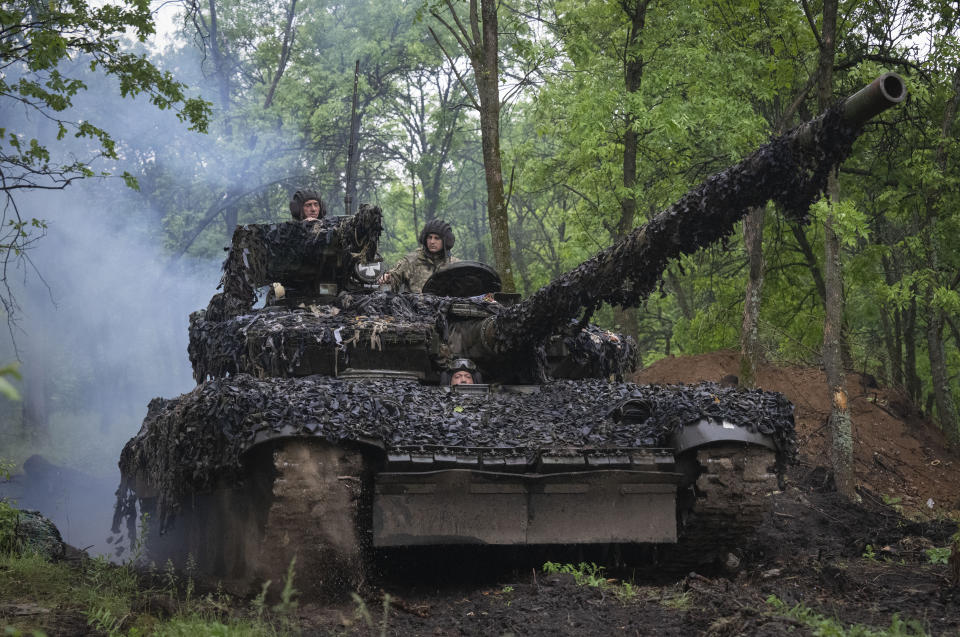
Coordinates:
363 614
589 574
678 601
113 598
823 626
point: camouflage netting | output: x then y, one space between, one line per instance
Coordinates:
195 442
272 342
791 170
275 341
35 534
261 254
600 353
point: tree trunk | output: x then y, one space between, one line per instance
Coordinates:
679 294
486 71
285 48
946 408
942 398
892 333
841 430
910 350
806 249
636 11
751 355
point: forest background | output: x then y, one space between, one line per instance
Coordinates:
603 113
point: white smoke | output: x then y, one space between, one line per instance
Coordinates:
102 330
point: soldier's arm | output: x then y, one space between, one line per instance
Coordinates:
387 276
399 276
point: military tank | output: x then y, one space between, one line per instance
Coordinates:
320 430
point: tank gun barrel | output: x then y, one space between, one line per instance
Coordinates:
791 170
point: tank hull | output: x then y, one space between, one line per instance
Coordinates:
321 511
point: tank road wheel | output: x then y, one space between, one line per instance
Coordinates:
318 517
734 482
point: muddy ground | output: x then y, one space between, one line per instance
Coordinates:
860 563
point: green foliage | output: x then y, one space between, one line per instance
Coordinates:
6 387
8 527
938 555
941 554
584 574
107 593
6 468
822 626
590 574
40 40
287 604
103 620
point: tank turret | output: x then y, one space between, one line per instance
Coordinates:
318 428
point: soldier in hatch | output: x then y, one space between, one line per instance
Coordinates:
306 205
462 371
413 270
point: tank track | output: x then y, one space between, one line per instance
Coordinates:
731 498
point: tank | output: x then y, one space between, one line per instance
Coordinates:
322 429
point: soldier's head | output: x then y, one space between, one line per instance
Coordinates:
437 237
463 371
306 205
462 377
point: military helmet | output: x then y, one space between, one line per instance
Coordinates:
302 196
440 228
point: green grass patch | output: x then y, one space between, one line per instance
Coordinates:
8 526
823 626
112 598
589 574
678 601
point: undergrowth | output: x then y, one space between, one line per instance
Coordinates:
823 626
590 574
116 599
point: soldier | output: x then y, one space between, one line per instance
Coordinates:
462 371
413 270
306 205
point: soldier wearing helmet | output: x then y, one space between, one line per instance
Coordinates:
462 371
306 205
413 270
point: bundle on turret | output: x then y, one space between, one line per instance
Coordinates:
281 342
261 254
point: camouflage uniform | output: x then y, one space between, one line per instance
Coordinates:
413 270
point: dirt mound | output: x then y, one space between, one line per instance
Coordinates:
900 458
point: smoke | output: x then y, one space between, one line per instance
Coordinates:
102 329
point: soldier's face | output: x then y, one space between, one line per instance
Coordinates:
462 378
434 243
311 209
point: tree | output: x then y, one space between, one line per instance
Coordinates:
480 43
44 50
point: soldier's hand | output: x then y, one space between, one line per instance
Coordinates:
384 279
